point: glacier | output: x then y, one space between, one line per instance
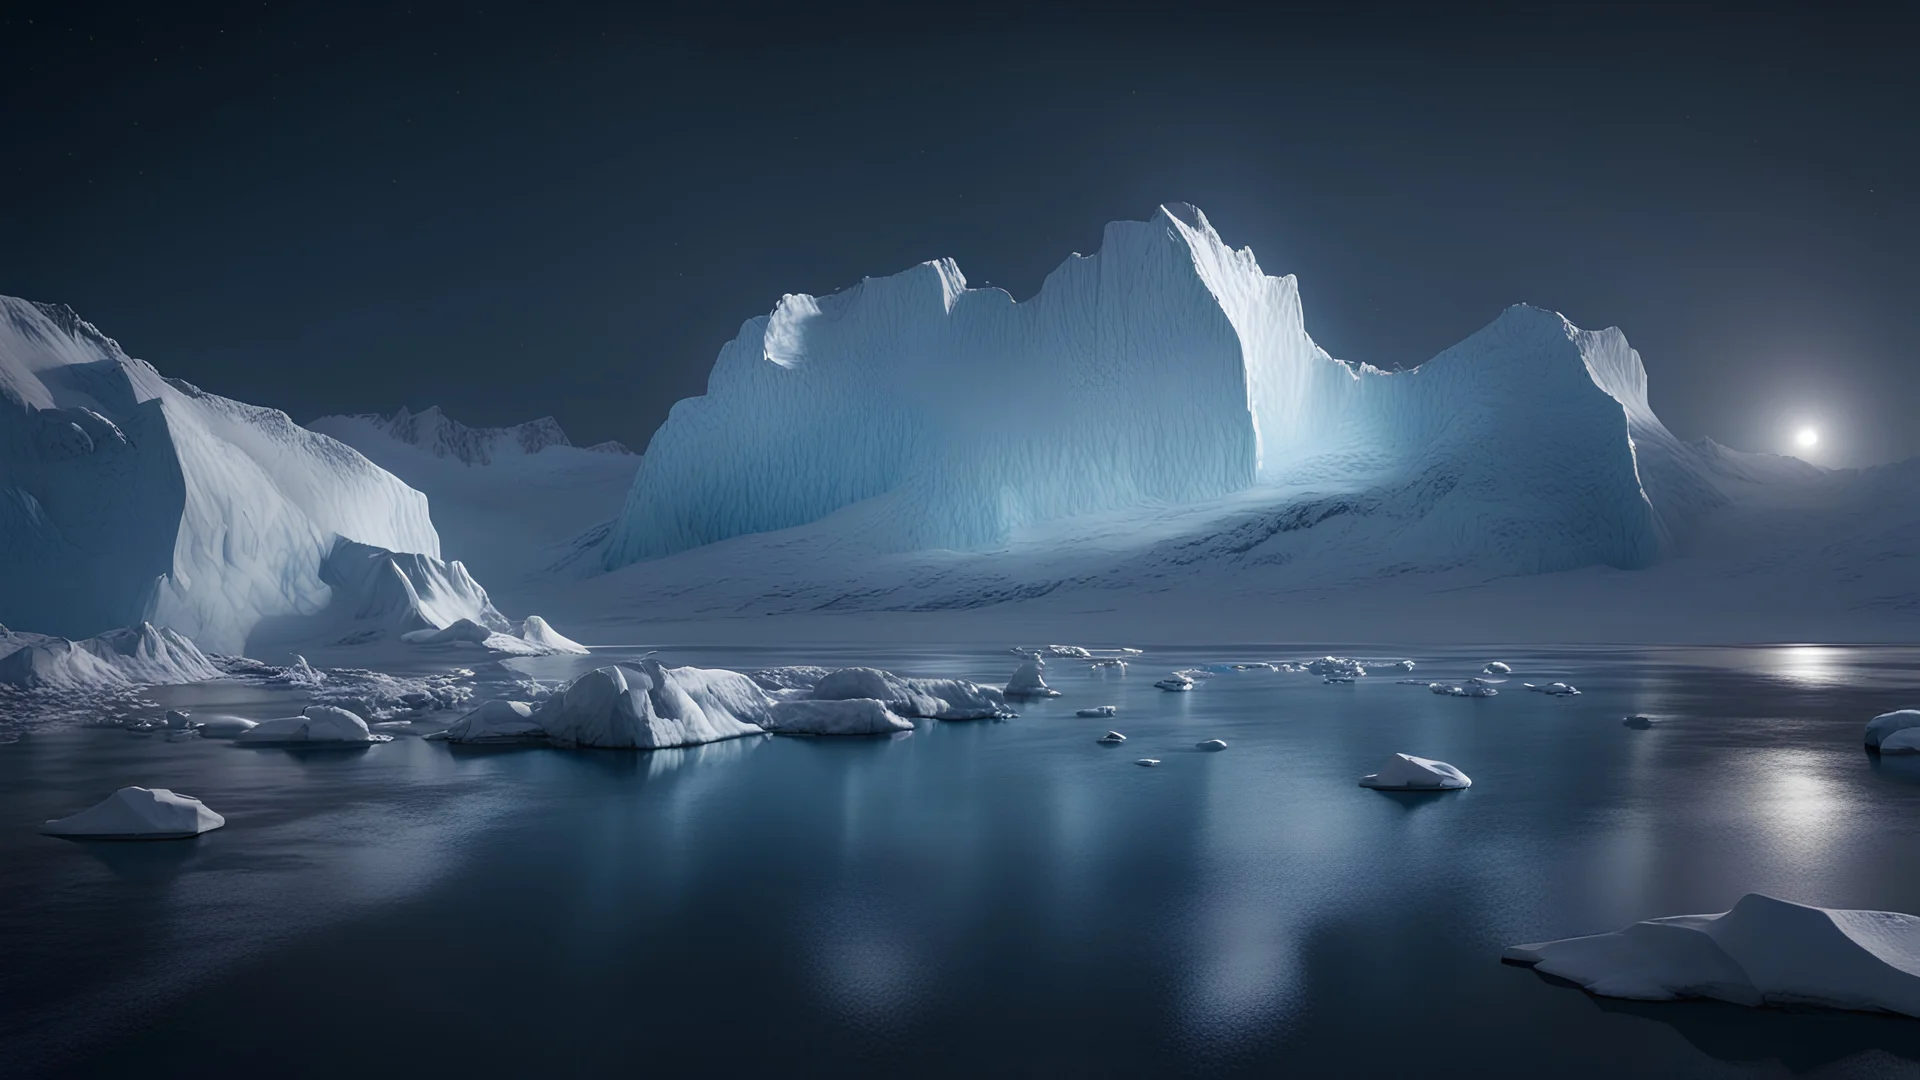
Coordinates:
1166 369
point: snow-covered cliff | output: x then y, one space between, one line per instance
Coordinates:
128 497
1166 370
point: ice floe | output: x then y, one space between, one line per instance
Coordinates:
1175 682
648 707
223 727
1112 738
1097 711
1211 744
497 721
1336 665
1880 727
1404 772
931 699
137 813
1764 951
850 716
1495 667
1639 723
1558 689
317 724
1147 761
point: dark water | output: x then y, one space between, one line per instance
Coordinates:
975 898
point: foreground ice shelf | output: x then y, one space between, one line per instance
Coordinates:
1762 952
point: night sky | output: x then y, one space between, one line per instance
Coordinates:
524 209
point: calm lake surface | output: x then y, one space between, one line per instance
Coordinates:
979 898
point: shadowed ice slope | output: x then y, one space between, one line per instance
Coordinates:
129 497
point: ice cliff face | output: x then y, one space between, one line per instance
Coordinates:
1168 369
441 436
129 497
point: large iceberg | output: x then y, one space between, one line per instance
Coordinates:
316 725
137 813
129 497
143 655
1166 369
1762 952
932 699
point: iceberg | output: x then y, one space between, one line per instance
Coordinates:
1112 738
126 497
849 716
650 707
223 727
1097 711
1558 689
1763 951
1639 723
1168 369
1148 761
463 630
1404 772
316 725
137 813
535 631
1495 667
931 699
1027 683
1886 724
1175 682
1211 744
1904 741
1336 666
498 721
142 655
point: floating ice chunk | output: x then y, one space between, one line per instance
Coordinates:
851 716
497 721
1886 724
1112 738
1027 681
1558 689
1097 711
224 727
179 721
1640 723
649 707
932 699
1175 682
1414 682
1148 761
1196 673
1336 678
1131 652
137 813
1762 952
1108 667
1336 665
457 631
1404 772
1070 652
316 724
535 630
1211 744
1495 667
1401 665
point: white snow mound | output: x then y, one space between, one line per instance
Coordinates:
1404 772
137 813
1764 951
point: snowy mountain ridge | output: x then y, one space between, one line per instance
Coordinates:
442 436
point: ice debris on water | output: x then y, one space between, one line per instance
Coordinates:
1097 711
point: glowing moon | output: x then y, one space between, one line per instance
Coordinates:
1807 438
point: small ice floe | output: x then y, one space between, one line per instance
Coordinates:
1558 689
1401 665
1886 724
316 725
498 721
1113 738
1257 665
1336 677
1070 652
1131 652
1097 711
1639 723
1196 673
646 706
932 699
1470 688
1027 683
1149 762
179 721
1414 682
1495 667
1108 667
1404 772
1337 665
1175 682
1764 951
1211 744
223 727
137 813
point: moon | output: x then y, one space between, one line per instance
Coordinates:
1807 438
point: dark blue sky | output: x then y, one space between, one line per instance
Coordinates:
521 209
